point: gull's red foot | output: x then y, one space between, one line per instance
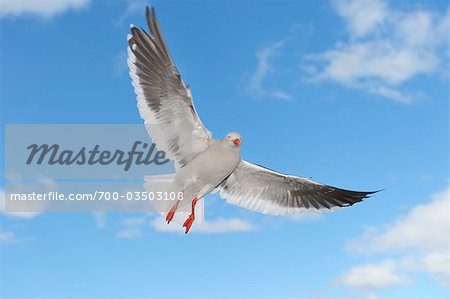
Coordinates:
191 218
171 213
188 223
169 216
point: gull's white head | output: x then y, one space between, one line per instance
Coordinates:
234 139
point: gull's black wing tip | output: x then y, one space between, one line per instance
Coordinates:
150 12
370 193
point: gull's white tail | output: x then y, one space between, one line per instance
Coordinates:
167 186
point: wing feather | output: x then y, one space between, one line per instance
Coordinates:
263 190
164 101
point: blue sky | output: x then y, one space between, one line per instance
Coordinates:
352 93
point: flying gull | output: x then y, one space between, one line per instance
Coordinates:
204 164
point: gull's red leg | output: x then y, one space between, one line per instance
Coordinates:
191 218
169 216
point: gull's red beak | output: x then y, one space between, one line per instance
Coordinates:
236 141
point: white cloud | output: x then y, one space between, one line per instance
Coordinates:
388 92
255 85
373 276
438 265
24 215
362 16
220 225
42 8
384 48
379 60
416 242
425 229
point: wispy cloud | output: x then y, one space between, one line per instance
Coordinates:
255 85
41 8
384 48
373 276
132 8
415 242
217 226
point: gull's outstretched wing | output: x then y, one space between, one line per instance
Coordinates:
164 101
260 189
